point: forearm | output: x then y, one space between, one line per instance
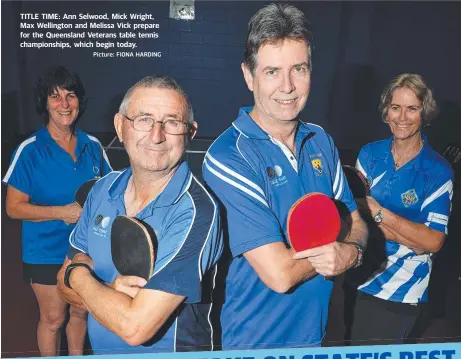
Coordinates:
110 308
392 235
31 212
66 294
298 270
413 235
359 230
276 267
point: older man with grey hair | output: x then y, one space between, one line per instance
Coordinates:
170 311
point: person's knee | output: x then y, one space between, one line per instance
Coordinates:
76 313
53 319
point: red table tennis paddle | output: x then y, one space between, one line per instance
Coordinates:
313 221
133 247
82 193
359 185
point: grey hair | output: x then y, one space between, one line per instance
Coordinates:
272 24
160 82
422 91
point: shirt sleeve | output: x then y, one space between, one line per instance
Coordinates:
189 246
341 190
20 171
78 239
250 221
362 162
436 207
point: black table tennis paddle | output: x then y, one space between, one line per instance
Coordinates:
133 247
82 193
358 184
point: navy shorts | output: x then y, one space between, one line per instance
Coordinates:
40 273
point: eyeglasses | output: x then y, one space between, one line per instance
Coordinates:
145 124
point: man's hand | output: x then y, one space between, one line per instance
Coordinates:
130 285
66 294
331 259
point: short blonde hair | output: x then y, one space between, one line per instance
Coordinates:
416 83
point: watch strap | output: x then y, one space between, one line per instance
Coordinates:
69 269
378 217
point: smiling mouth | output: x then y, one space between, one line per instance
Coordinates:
403 126
154 149
65 113
286 102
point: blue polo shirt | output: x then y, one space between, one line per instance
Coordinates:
45 172
186 222
258 179
419 191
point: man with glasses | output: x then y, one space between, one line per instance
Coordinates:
170 311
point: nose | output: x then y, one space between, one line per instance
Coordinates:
403 115
64 102
287 85
157 134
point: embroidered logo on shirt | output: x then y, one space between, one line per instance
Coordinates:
409 198
278 170
100 225
98 219
317 164
270 172
105 222
276 176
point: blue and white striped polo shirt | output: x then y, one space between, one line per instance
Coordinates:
185 219
421 192
257 179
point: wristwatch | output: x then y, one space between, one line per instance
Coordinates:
69 269
359 259
378 217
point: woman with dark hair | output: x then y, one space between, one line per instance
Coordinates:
408 208
45 171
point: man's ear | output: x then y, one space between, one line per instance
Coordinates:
118 124
192 130
248 76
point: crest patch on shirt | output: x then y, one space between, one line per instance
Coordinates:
276 176
409 198
270 172
98 219
100 224
318 166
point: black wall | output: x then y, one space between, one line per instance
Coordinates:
359 47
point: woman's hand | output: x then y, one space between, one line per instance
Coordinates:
18 206
69 213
